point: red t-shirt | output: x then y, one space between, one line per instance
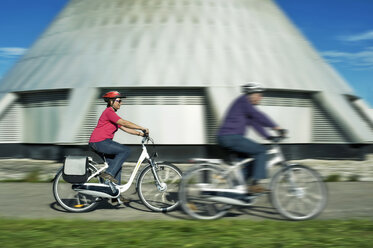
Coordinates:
106 126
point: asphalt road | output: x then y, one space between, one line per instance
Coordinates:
347 200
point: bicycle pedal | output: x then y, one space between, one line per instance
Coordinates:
192 206
78 205
123 202
218 177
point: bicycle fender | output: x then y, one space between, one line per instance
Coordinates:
56 174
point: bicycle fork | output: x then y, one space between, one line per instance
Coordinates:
294 189
160 185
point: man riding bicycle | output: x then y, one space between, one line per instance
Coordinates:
231 135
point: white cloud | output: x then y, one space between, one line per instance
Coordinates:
8 56
368 35
10 52
358 60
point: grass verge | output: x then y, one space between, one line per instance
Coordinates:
31 177
221 233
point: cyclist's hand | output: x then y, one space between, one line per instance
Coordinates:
282 132
145 132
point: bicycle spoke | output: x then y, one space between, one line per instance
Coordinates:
211 209
154 197
196 204
71 200
309 202
316 198
299 193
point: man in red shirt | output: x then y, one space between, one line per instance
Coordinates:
102 136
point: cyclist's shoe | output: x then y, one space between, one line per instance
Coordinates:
192 206
257 189
121 200
109 177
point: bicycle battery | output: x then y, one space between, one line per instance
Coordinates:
75 169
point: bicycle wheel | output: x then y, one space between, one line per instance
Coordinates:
191 196
155 198
72 200
298 192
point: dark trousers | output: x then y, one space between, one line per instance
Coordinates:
239 143
115 155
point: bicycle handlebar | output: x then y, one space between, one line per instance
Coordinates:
282 132
281 135
144 132
146 137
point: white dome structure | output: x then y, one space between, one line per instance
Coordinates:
181 63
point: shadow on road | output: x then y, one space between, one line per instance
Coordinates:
261 212
253 211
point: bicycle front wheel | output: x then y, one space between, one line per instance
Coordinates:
192 198
298 192
72 200
160 198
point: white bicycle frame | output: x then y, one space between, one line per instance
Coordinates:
143 156
236 169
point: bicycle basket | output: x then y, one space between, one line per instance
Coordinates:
75 169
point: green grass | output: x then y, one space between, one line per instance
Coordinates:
221 233
31 177
333 178
354 178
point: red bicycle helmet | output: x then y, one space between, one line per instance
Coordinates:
112 94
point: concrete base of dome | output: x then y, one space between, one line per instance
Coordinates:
183 153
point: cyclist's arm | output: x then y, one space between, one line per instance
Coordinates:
131 131
259 117
130 125
259 129
258 120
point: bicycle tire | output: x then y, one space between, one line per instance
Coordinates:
303 200
160 200
193 202
71 200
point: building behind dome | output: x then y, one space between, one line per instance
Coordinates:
180 63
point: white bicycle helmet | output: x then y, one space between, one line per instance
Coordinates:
252 87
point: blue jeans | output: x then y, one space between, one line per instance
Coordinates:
115 155
239 143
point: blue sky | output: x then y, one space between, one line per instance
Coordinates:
341 30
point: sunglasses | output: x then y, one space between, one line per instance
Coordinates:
119 101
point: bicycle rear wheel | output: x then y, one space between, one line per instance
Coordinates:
298 192
159 199
72 200
191 196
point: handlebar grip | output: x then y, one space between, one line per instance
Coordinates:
282 132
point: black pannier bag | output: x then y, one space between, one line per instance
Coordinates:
75 169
